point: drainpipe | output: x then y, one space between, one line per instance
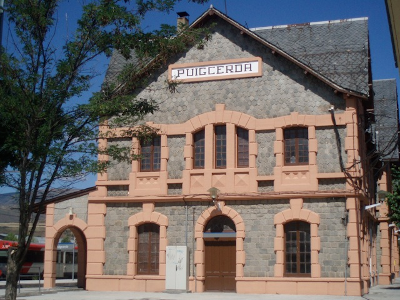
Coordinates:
186 223
345 221
193 272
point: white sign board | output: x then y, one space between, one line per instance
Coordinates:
216 70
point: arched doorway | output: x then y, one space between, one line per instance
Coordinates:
77 227
220 254
70 262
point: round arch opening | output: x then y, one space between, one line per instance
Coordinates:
220 254
70 256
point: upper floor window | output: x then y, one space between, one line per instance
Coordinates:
220 146
148 249
296 146
242 147
297 249
199 150
151 155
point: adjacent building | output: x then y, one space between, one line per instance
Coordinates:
267 176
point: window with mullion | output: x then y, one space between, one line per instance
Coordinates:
297 249
242 147
296 146
220 146
199 150
151 155
148 249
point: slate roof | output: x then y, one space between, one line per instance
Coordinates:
117 63
338 50
386 118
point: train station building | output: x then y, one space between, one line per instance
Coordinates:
268 174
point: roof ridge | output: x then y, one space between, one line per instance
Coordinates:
310 23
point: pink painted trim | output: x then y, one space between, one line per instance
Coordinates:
297 213
202 221
147 216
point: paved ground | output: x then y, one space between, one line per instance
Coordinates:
67 292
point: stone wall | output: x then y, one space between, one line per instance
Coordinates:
176 160
328 155
119 170
282 89
258 218
79 207
178 226
265 157
333 256
117 234
329 184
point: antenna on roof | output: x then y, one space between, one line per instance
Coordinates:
226 10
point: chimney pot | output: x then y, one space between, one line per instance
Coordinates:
183 19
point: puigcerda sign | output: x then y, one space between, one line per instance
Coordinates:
215 70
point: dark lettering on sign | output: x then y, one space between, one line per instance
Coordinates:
247 67
215 70
180 72
229 69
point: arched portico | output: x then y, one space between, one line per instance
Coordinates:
53 233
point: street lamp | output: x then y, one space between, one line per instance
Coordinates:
214 195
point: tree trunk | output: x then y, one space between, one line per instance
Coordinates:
12 275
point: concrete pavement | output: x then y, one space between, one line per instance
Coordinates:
68 292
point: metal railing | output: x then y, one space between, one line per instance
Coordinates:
31 276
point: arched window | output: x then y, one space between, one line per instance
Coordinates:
148 249
220 147
220 226
297 249
242 147
199 150
296 146
151 155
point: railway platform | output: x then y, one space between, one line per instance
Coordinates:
67 290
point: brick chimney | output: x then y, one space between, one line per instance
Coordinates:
183 20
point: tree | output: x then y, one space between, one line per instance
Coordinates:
393 199
47 136
11 237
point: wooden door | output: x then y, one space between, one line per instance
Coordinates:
220 266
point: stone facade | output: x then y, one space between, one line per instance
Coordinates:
119 170
278 92
79 207
326 188
265 157
332 230
258 217
118 190
180 224
117 231
331 151
331 184
176 161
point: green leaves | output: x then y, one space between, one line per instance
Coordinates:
393 199
45 133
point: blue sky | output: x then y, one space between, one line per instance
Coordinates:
260 13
